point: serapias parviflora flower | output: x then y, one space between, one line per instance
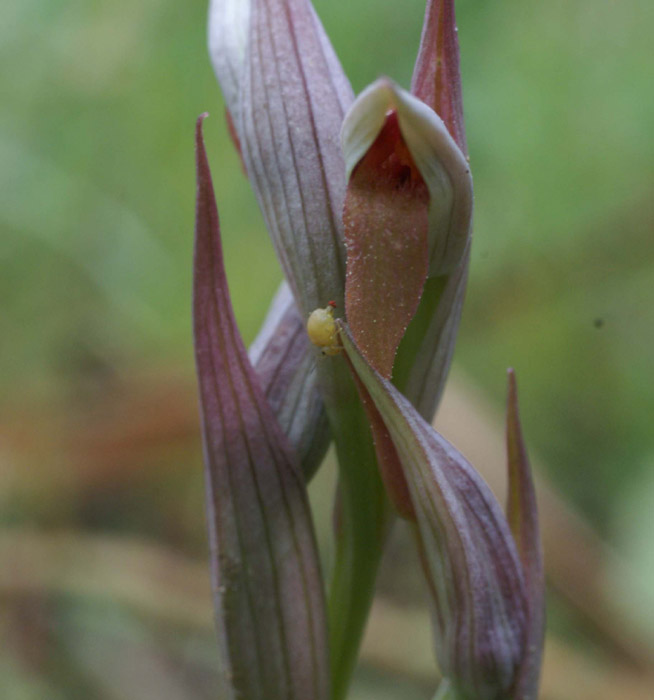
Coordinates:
369 206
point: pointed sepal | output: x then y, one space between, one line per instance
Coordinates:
269 602
437 74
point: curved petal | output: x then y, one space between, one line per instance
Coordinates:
439 160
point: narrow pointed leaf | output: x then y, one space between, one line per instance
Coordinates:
286 367
522 513
293 101
438 159
470 558
437 75
267 586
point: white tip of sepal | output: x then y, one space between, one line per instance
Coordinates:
441 163
228 30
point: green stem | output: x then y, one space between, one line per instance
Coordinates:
362 525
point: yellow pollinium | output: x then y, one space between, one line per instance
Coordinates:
322 331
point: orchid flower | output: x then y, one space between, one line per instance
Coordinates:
369 205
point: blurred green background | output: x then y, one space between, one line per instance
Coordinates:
98 103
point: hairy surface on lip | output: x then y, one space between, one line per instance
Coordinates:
386 227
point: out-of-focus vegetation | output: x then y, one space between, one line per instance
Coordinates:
100 468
